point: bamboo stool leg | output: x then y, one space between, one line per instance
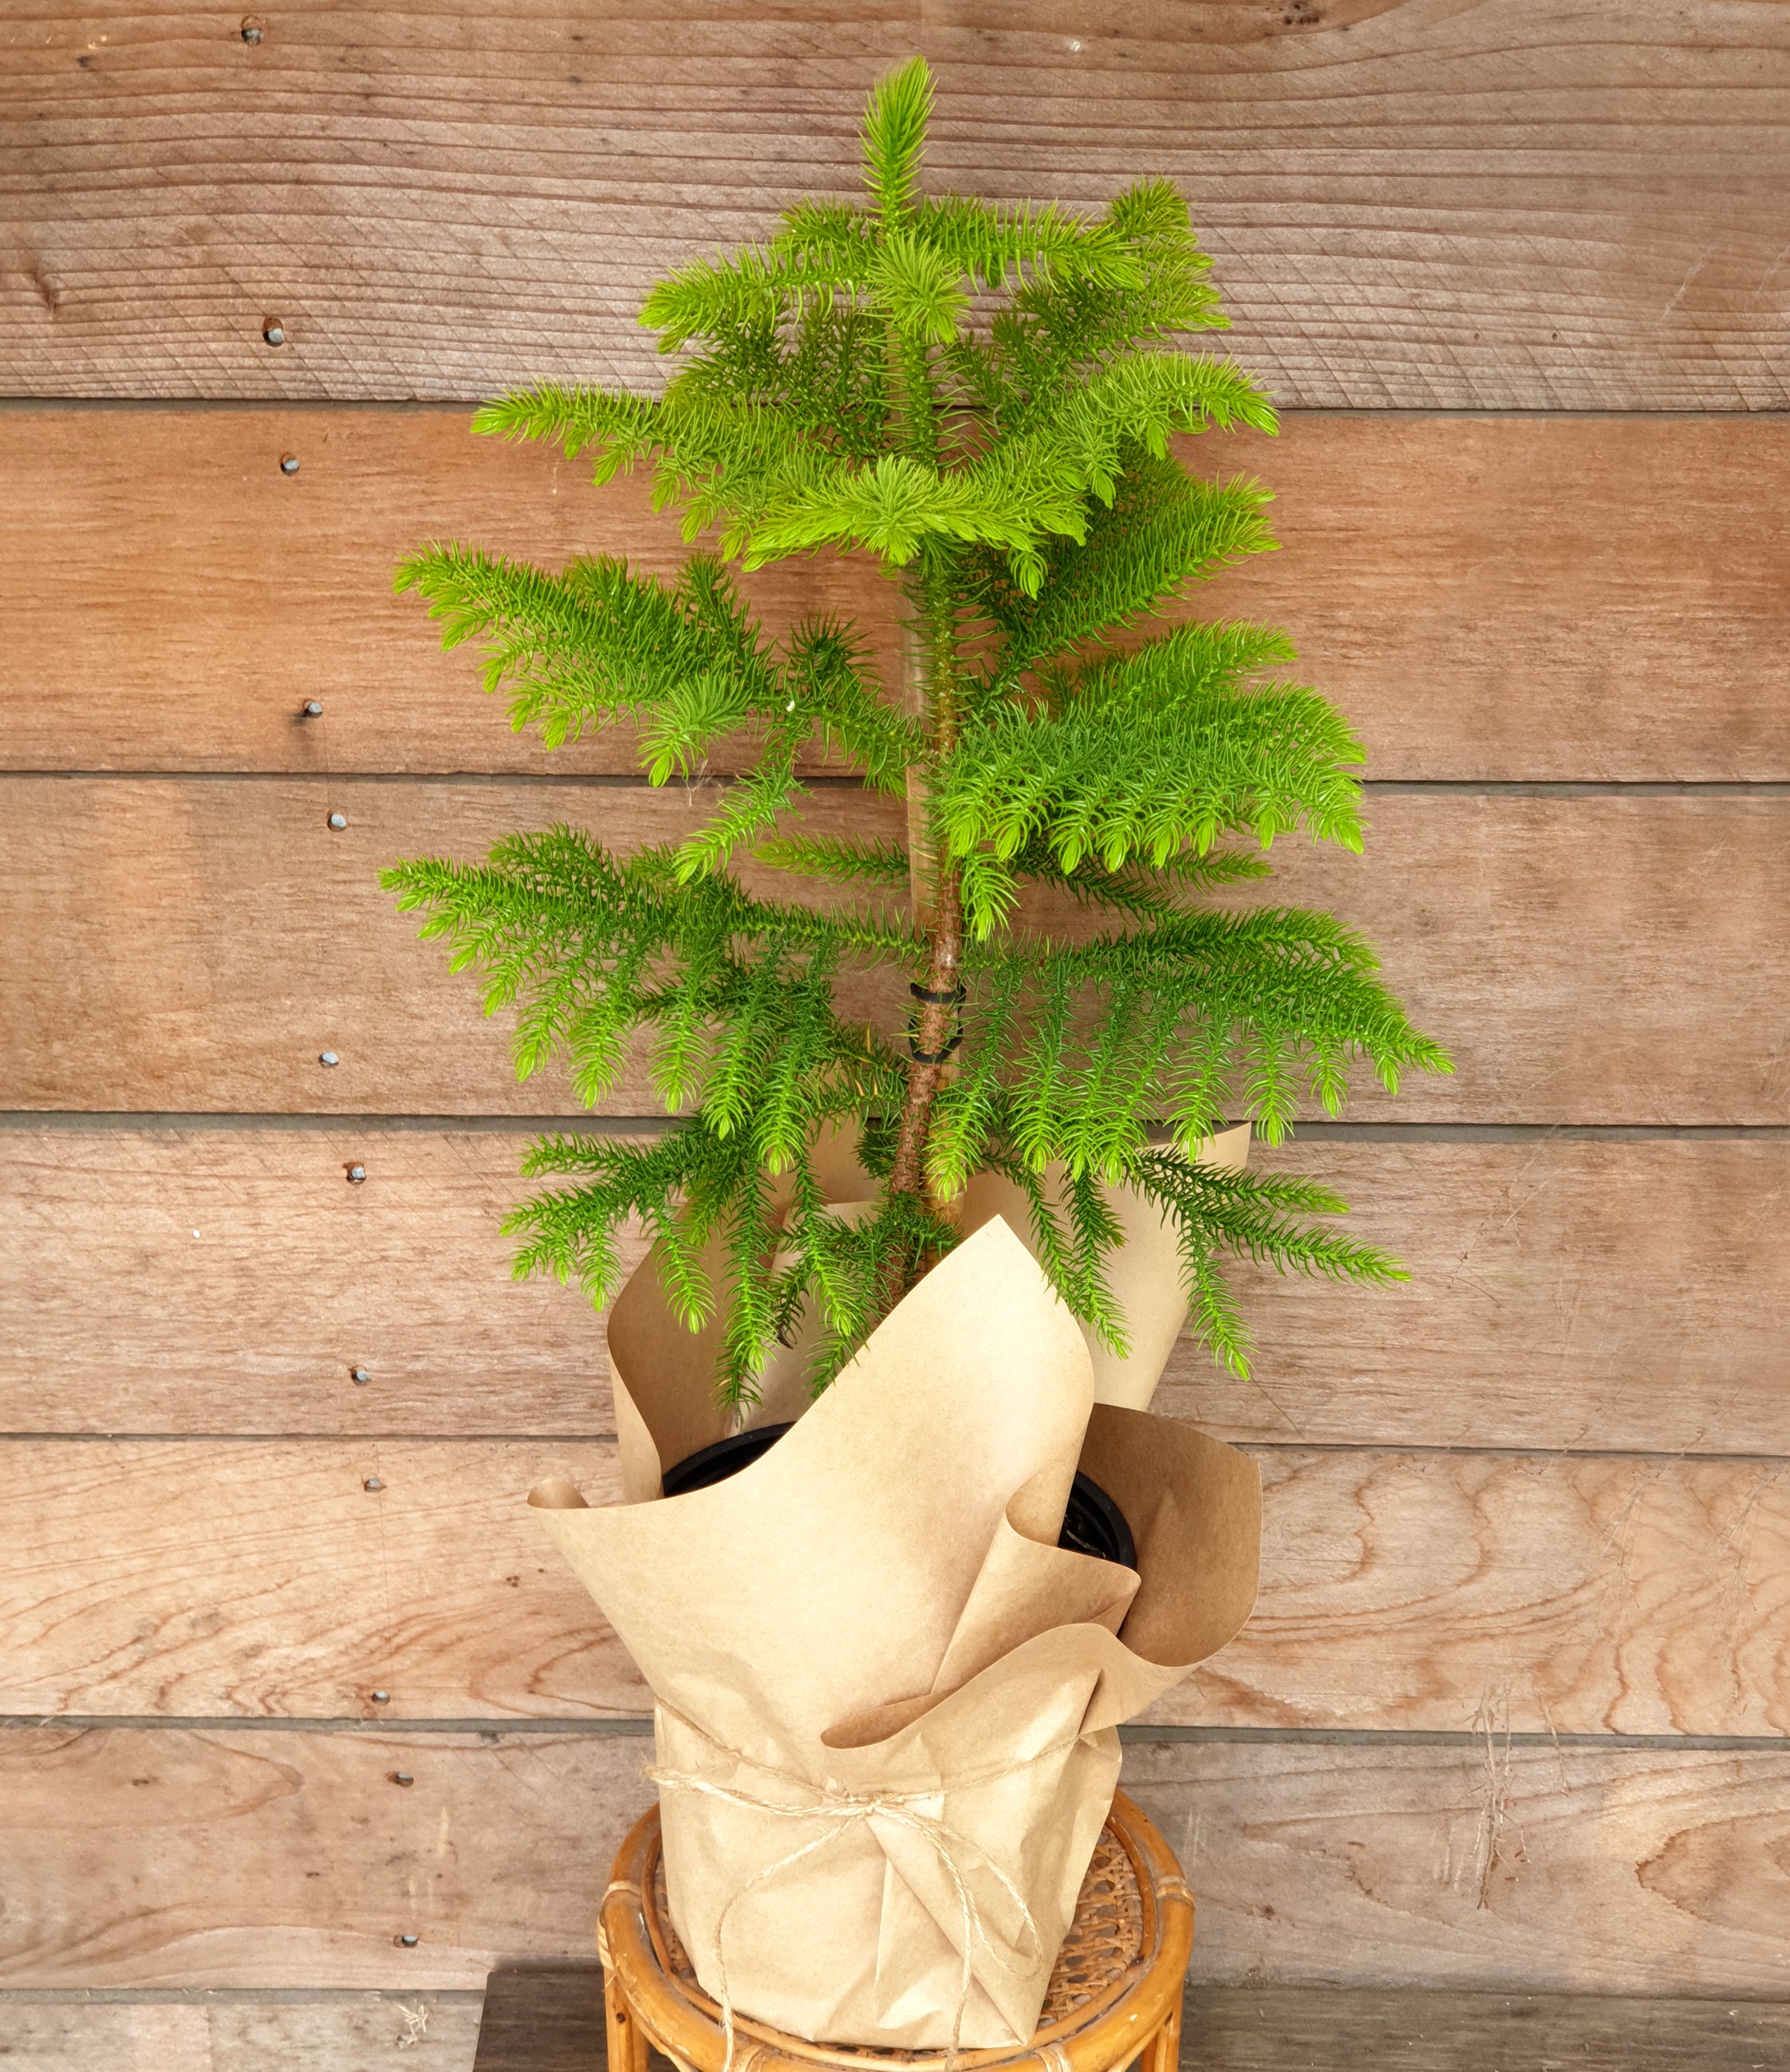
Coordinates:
627 2043
1163 2053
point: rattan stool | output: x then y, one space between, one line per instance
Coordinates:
1114 1997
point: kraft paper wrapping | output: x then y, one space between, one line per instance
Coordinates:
886 1700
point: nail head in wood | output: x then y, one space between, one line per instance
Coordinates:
312 708
359 1376
273 331
402 1776
253 29
380 1697
288 463
327 1058
406 1941
372 1482
338 821
356 1174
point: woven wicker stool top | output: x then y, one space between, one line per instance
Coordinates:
1117 1976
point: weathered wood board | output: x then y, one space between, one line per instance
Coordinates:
204 1579
1411 206
1329 2029
232 1856
1413 1591
1515 598
232 1280
1577 1870
552 2021
242 2032
1587 959
238 1856
531 2020
1325 2028
121 521
1565 1293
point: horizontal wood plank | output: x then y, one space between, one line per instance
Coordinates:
1535 1593
1327 2029
1414 207
1569 1869
278 1857
114 537
536 2020
211 1578
1516 598
1564 1294
288 1858
113 2036
196 944
551 2021
1408 1591
240 2033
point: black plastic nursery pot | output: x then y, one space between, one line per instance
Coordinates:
1092 1523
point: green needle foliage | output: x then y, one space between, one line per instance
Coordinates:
984 399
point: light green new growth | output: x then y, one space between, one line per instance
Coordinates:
985 399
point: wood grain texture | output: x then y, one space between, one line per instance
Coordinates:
232 1856
120 523
1411 205
1514 598
1323 2029
435 2033
1570 1869
1407 1591
114 2036
213 1578
1564 1294
1531 1593
543 2021
231 1281
274 1857
549 2020
535 2021
196 944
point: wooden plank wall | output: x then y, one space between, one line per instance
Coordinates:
1515 1713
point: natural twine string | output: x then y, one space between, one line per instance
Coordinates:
847 1810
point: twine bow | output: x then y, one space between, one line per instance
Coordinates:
845 1810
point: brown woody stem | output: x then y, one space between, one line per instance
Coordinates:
930 683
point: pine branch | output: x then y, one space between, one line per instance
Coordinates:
829 682
598 644
1257 1216
894 139
1154 755
1163 531
623 430
990 244
844 862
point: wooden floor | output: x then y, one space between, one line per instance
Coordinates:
552 2021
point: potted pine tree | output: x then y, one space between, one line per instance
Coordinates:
984 400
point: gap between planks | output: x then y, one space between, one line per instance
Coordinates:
401 1436
227 1996
638 1725
723 780
414 406
100 1120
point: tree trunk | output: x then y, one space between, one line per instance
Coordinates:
929 683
